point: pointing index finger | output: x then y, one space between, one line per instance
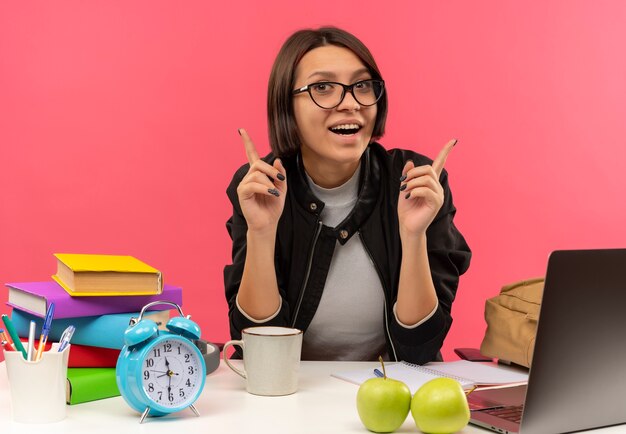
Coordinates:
251 152
440 161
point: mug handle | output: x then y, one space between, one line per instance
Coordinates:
226 345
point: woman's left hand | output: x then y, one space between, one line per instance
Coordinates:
421 194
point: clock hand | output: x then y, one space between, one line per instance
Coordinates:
168 373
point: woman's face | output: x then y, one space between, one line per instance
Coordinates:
322 141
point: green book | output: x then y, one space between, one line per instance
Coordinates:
90 384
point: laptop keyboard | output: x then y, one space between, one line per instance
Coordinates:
511 413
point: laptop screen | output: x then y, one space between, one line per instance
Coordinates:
577 379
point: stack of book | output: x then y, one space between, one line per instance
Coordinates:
98 295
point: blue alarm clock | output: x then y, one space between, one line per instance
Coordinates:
160 372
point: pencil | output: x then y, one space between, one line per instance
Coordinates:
6 346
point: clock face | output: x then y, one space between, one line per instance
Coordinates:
172 373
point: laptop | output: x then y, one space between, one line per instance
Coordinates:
577 380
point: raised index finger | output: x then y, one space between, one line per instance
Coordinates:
440 161
251 152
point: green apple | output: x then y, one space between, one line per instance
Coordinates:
440 407
383 404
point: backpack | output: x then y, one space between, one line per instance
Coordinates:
511 320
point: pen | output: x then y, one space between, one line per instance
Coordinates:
30 352
45 331
378 373
16 339
65 337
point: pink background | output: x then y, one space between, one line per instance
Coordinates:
118 128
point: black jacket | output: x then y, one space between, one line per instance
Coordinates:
304 249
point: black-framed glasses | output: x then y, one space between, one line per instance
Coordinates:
329 94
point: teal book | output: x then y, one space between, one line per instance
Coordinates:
106 331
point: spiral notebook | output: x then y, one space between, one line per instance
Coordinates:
469 374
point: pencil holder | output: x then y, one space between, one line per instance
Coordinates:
38 388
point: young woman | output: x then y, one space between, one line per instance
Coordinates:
332 234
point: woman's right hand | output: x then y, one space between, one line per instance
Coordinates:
261 199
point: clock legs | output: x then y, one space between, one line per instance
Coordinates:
194 410
143 416
147 410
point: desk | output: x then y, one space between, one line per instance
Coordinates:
323 404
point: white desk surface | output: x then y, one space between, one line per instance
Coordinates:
323 404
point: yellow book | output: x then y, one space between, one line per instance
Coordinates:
97 275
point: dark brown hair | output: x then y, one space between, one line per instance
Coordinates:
283 131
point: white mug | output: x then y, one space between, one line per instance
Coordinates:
271 359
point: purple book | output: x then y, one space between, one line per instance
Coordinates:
35 297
